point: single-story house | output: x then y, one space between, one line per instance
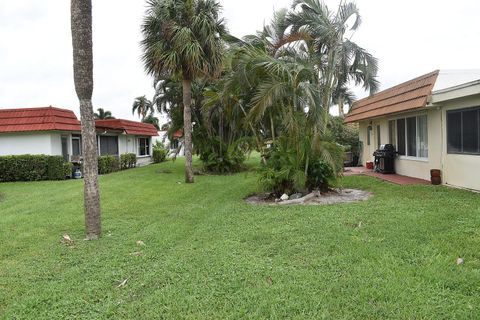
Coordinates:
172 146
55 131
434 123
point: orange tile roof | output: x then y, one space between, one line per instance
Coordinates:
38 119
56 119
409 95
130 127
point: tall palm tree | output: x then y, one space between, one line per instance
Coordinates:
142 106
101 114
183 38
328 40
81 24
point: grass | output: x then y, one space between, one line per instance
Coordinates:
210 255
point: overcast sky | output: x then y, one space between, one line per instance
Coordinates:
409 37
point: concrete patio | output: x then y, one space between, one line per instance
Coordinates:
393 178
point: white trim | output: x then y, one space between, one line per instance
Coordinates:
410 158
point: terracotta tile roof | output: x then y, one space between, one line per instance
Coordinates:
409 95
178 134
130 127
56 119
38 119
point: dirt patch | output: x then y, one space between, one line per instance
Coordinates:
314 198
1 197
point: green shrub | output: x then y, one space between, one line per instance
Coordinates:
31 168
218 157
67 169
55 168
159 152
128 160
108 164
287 171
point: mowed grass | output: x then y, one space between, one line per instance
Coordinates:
209 255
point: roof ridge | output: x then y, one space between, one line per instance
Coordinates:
401 85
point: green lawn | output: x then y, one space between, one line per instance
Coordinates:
208 255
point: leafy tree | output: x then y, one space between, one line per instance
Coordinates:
101 114
182 39
142 106
152 120
81 25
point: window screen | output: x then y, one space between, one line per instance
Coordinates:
412 137
76 145
463 131
144 146
108 145
422 135
401 137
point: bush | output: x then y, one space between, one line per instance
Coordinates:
55 168
31 168
107 164
218 157
287 171
67 169
159 152
128 160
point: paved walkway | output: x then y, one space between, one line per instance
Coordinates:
394 178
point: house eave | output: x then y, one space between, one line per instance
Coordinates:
460 91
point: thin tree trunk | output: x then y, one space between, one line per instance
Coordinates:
81 24
187 129
341 112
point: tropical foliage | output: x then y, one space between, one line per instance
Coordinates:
273 95
102 114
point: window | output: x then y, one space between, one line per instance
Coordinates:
401 133
392 133
463 131
108 145
369 133
411 136
378 138
76 145
174 144
143 146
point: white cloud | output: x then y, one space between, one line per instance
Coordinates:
409 37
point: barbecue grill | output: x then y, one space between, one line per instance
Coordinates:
384 159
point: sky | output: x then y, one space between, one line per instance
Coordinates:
409 37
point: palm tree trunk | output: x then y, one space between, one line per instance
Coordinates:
341 113
187 129
81 24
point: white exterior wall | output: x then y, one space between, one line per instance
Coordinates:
29 143
460 170
408 166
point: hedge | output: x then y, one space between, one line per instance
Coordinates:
29 167
128 160
108 164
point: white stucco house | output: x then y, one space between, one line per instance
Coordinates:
55 131
172 145
434 123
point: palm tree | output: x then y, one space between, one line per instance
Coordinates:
183 38
152 120
81 24
327 39
101 114
142 106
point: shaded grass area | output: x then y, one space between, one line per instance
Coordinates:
210 255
